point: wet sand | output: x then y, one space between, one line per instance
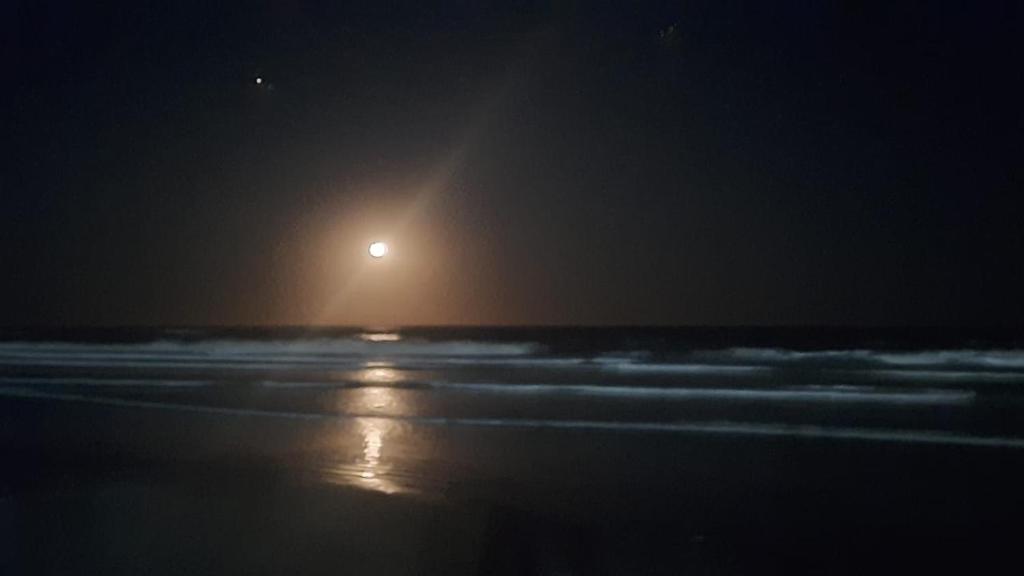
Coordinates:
92 488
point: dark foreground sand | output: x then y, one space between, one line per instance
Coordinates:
129 490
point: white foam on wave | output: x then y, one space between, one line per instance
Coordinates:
683 368
228 348
349 352
261 355
966 358
85 381
849 394
313 384
715 428
271 362
978 358
157 362
544 361
944 375
297 354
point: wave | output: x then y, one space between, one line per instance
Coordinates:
947 375
683 368
157 362
974 358
714 428
324 348
79 381
264 355
851 394
281 362
834 394
805 394
359 350
992 359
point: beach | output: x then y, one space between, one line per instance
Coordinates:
705 468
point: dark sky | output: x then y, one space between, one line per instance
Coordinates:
533 163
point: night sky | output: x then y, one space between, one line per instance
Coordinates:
529 163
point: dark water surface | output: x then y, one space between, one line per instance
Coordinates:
511 451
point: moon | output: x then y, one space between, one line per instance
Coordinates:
378 249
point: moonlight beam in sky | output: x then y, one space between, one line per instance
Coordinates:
378 249
478 137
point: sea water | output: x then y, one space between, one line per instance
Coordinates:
567 449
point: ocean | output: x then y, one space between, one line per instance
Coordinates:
510 450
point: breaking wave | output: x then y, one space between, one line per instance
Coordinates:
851 394
983 359
254 353
361 350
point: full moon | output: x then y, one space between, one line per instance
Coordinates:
378 249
